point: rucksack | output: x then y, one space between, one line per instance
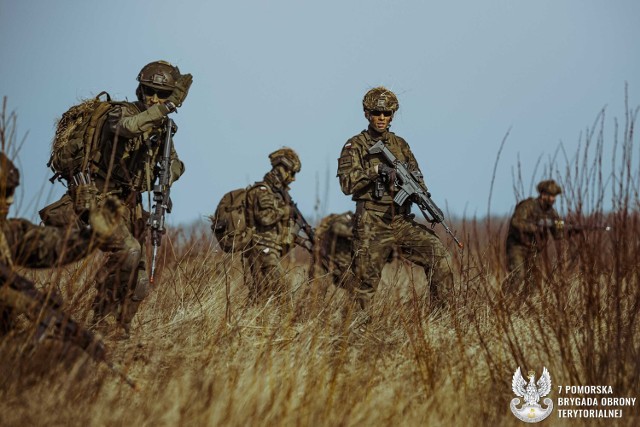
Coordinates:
229 222
75 144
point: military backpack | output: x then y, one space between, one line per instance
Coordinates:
229 222
75 145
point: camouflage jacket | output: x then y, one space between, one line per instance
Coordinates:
525 226
333 236
133 138
356 167
268 215
25 244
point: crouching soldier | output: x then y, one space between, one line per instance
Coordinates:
28 245
123 159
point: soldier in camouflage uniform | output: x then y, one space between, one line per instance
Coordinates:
131 146
380 225
269 216
27 245
532 223
333 252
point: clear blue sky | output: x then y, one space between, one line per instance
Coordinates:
274 73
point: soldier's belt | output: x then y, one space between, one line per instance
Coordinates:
386 209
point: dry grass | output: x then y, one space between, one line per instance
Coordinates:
202 356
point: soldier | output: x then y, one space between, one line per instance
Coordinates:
130 146
269 215
531 225
380 224
333 252
25 244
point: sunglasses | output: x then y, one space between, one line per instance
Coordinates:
377 113
150 91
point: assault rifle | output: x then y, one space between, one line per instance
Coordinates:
161 199
305 235
21 295
409 185
570 228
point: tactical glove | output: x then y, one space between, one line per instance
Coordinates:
181 90
105 217
85 196
387 174
550 224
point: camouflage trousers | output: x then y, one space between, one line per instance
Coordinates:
264 274
524 272
376 235
123 281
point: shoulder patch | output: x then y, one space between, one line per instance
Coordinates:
263 188
347 145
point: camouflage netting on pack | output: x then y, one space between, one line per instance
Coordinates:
77 132
71 120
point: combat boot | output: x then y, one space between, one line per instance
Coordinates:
128 312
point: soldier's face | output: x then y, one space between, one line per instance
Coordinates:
288 176
547 200
5 204
379 120
154 96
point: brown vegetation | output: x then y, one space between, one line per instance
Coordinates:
202 356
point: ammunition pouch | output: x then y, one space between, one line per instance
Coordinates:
61 213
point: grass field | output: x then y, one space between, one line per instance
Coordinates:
200 355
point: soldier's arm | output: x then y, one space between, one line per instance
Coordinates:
412 163
558 232
265 209
177 166
341 229
351 172
128 122
36 246
523 219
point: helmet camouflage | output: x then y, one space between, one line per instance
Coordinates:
159 75
9 176
380 99
549 186
287 157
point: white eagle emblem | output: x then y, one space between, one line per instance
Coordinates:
531 392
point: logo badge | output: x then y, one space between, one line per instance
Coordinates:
531 411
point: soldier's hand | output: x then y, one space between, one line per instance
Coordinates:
104 218
546 223
387 173
84 197
181 90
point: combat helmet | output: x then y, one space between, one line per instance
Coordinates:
380 99
287 157
9 176
549 186
159 75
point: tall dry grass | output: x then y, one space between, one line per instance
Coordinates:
201 355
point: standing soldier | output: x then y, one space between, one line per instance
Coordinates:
531 225
125 163
269 215
380 224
